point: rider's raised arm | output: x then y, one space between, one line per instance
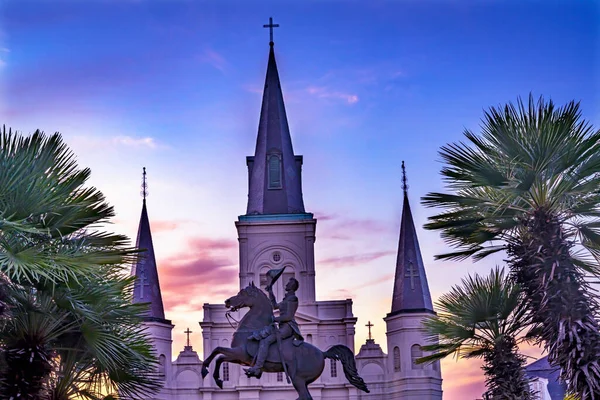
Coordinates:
273 300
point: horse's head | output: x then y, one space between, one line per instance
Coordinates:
247 297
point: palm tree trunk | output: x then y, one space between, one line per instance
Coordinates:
557 295
505 376
28 367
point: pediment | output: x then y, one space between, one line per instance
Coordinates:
302 318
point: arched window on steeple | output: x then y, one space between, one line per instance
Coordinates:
162 360
416 352
396 359
274 162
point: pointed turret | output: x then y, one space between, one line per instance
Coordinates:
411 291
275 185
147 288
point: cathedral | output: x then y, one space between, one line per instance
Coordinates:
277 231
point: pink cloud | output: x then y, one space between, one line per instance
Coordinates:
350 293
162 226
324 92
342 228
207 268
215 59
253 89
344 261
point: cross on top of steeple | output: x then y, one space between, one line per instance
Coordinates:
188 336
370 325
271 25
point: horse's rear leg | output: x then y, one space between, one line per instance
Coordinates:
301 387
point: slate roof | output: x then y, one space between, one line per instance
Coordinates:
542 368
274 139
147 287
411 291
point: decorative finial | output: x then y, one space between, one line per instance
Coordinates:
144 191
271 26
188 336
370 325
404 185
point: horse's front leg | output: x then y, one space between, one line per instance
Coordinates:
216 372
218 350
237 355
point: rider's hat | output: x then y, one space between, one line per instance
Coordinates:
274 274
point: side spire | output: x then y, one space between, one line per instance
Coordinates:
275 185
147 287
411 291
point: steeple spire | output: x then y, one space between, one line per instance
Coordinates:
147 287
274 172
411 291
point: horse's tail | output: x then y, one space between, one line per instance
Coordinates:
344 354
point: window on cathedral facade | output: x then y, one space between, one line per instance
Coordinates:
280 377
226 371
274 171
416 352
396 359
263 279
333 368
287 275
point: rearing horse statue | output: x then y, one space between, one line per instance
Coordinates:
303 361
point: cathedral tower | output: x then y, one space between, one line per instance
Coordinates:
276 231
411 303
147 290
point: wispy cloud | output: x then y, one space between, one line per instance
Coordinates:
349 293
135 142
353 259
3 51
114 141
206 267
162 226
338 227
253 89
215 59
324 92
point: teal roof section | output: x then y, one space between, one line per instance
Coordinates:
276 217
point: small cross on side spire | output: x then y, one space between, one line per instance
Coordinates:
404 185
144 191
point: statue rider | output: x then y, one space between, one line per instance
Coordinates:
287 325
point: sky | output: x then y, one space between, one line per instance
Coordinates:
175 86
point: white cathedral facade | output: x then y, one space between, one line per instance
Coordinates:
277 231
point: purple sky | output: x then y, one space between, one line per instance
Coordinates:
175 86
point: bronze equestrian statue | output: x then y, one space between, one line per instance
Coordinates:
259 344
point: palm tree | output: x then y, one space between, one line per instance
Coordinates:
67 325
529 185
483 318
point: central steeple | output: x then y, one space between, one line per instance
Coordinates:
275 185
